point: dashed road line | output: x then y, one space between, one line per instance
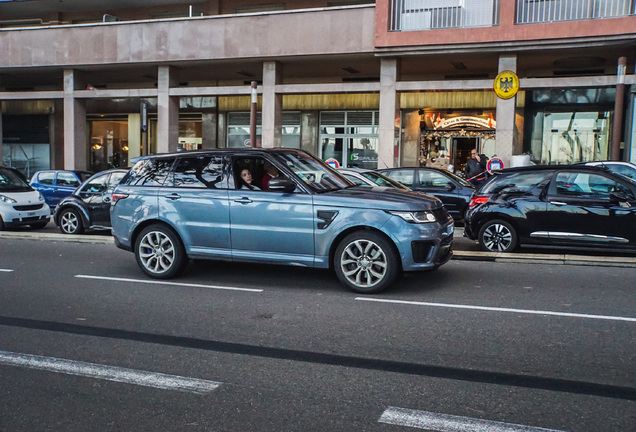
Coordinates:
158 282
497 309
109 373
6 270
450 423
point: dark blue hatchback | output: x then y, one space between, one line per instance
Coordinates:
56 184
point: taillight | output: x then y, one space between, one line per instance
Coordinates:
477 200
116 197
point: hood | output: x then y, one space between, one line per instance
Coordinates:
378 198
24 198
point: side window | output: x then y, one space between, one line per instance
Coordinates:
625 170
114 180
355 180
149 172
97 185
519 182
584 185
67 179
406 177
433 179
249 173
199 172
627 191
46 178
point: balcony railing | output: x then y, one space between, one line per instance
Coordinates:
441 14
545 11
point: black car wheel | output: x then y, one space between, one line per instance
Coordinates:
160 252
71 222
366 262
497 236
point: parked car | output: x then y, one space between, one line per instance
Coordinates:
88 207
573 206
56 184
454 192
20 204
172 207
368 177
626 168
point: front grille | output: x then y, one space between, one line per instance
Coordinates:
27 219
422 250
28 207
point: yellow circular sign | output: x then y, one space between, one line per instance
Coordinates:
506 84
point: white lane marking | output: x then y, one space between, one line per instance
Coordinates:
156 282
109 373
6 270
496 309
450 423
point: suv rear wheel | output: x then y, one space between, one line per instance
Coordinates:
160 252
366 262
497 236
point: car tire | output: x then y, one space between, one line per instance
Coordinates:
1 224
70 222
498 236
39 225
366 262
160 252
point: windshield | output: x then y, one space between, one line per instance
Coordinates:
10 181
316 174
458 179
382 180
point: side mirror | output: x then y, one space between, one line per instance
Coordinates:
281 184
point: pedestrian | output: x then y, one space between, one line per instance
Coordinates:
476 168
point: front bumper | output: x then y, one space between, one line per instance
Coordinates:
13 217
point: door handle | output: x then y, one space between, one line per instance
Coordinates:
558 203
243 200
173 196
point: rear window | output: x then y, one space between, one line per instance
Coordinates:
148 172
517 182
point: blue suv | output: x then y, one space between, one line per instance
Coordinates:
277 206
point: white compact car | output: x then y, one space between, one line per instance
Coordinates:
20 204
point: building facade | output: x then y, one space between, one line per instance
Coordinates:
390 83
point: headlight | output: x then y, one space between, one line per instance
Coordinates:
40 197
415 217
7 199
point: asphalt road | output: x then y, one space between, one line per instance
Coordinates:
88 343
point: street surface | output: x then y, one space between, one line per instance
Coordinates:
89 343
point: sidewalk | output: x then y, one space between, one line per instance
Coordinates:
463 249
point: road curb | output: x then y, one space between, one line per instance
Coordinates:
82 238
557 259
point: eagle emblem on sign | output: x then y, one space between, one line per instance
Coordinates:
506 84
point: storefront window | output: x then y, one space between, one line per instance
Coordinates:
351 138
238 130
570 137
108 144
190 135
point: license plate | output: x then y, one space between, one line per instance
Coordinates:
30 213
450 229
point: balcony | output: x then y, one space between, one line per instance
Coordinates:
547 11
415 15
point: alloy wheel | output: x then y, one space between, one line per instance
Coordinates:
363 263
498 237
157 252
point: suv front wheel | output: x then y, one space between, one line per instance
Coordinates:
366 262
160 252
497 236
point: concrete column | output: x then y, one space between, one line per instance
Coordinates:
310 132
505 116
75 142
389 131
272 106
167 111
209 129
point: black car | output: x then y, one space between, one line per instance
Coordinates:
453 191
560 206
88 207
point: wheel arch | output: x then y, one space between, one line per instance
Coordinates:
86 220
148 222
